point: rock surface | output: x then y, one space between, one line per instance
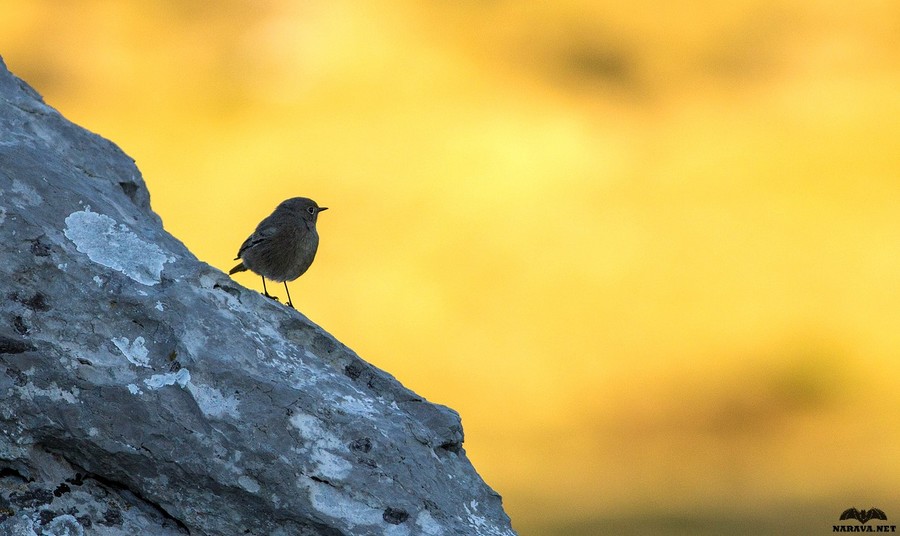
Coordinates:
144 392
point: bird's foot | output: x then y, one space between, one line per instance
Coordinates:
271 297
289 304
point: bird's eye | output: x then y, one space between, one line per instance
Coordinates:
311 210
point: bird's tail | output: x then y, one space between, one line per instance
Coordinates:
239 268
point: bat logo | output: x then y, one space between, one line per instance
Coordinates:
863 516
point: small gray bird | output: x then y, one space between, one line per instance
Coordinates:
283 245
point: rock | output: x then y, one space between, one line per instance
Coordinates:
145 392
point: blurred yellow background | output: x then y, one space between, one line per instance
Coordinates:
650 251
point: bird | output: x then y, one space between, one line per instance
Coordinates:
283 245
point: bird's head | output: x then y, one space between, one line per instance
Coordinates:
303 207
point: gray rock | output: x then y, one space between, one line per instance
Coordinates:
145 392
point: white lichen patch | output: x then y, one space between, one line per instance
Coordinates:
227 303
428 525
25 194
229 459
323 447
356 406
330 465
135 351
157 381
115 246
2 215
334 503
296 373
249 484
134 389
159 306
29 391
481 524
64 525
98 281
212 402
311 429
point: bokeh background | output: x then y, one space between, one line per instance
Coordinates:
649 250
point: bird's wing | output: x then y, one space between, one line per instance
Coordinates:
263 232
850 513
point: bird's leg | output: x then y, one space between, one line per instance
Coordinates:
266 292
289 304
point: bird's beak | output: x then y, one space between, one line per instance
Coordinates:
322 208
